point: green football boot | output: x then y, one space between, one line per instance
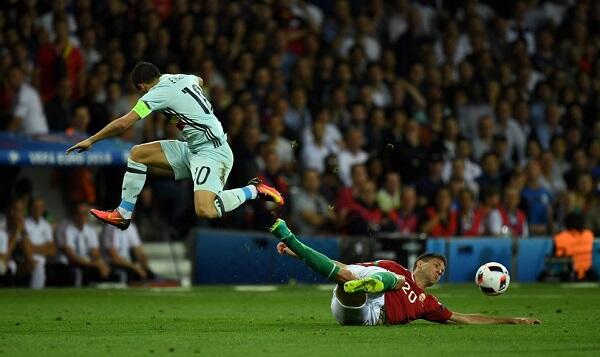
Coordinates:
364 285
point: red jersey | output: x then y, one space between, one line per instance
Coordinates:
410 302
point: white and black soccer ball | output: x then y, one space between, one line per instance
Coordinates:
492 278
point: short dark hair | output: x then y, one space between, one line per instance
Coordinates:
428 256
144 72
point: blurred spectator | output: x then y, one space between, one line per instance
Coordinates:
406 218
483 143
315 149
245 151
515 137
297 116
89 48
311 214
330 180
126 254
440 219
470 170
576 242
40 241
59 59
18 242
47 20
500 148
447 145
346 196
365 217
582 198
490 200
469 217
508 219
60 108
388 197
490 176
551 127
80 249
538 202
409 157
283 147
551 178
78 127
150 222
29 117
428 185
78 183
578 166
10 234
116 102
351 155
362 37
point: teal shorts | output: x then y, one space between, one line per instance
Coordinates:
208 168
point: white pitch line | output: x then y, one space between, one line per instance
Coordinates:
327 287
580 285
255 288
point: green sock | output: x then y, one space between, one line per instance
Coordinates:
318 262
388 279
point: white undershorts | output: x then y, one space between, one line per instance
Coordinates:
370 312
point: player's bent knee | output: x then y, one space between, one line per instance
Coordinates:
345 275
137 154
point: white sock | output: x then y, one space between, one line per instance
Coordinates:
133 182
228 200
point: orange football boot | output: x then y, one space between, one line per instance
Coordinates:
112 217
266 192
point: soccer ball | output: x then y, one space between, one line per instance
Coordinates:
492 278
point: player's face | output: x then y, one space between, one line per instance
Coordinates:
433 269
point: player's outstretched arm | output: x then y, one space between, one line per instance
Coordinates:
113 128
476 319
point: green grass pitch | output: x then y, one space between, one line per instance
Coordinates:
291 321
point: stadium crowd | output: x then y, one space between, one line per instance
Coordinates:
369 116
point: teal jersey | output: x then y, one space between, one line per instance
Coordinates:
181 99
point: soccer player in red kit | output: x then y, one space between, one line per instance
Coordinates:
383 292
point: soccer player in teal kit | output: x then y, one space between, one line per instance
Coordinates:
204 156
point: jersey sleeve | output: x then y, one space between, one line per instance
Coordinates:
155 99
436 311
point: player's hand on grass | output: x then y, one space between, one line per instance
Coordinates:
80 146
284 250
526 321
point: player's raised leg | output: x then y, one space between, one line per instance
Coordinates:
318 262
209 170
140 158
331 270
211 205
